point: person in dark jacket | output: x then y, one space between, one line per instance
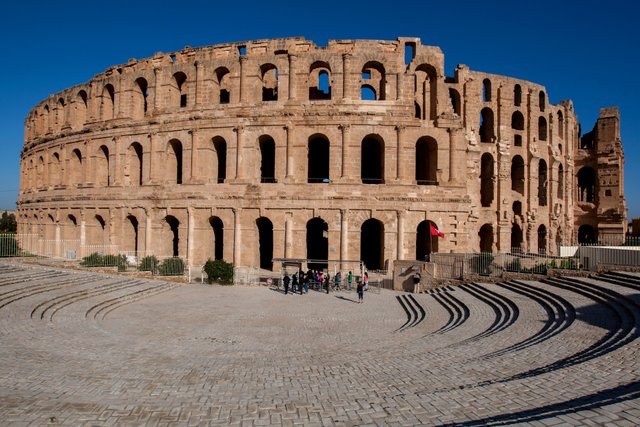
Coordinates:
286 280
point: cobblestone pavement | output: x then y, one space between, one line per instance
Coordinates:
90 349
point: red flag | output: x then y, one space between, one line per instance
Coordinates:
436 232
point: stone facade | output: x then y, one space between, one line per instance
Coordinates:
284 149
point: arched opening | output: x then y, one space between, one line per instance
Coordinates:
486 90
139 101
542 128
426 243
372 244
560 182
587 185
217 228
318 159
587 234
179 90
80 110
102 167
107 104
542 100
97 231
426 87
267 159
542 183
70 232
174 228
517 208
426 161
220 148
517 121
367 93
486 180
517 174
223 81
517 140
486 238
418 110
517 95
319 81
560 125
60 114
542 240
456 103
174 161
487 133
269 77
46 117
76 172
516 238
40 178
373 76
317 243
265 242
372 160
134 165
55 171
131 238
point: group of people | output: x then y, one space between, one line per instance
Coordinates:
301 281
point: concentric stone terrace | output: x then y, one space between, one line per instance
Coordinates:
284 149
90 349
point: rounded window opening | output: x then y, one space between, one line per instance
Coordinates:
372 244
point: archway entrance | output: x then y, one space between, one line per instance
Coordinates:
425 243
372 244
317 243
587 234
265 242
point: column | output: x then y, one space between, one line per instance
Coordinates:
399 161
83 235
401 220
199 83
456 140
243 79
344 237
157 98
236 237
193 173
190 235
288 241
239 130
292 83
147 234
346 67
288 151
345 144
115 166
57 241
151 158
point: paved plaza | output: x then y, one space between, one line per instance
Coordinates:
90 349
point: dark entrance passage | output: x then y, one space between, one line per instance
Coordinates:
218 239
425 243
318 159
587 234
317 243
372 244
265 242
174 224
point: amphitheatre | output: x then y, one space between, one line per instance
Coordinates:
281 149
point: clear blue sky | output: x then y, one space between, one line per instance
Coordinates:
587 51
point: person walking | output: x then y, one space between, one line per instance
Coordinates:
327 277
294 283
336 281
301 281
366 281
286 280
349 280
360 290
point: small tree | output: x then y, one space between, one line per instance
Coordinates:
171 267
149 263
219 271
8 223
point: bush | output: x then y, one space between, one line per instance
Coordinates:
149 263
9 246
171 267
219 271
98 260
481 264
513 266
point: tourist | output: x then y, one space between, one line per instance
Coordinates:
360 292
336 281
286 280
349 280
294 283
366 281
327 277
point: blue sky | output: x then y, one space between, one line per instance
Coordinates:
587 50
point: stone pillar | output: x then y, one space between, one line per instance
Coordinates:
346 67
456 140
344 233
190 236
345 151
148 232
199 83
83 235
193 173
236 236
117 164
152 159
243 79
292 80
157 96
401 220
288 154
400 169
57 241
239 130
288 238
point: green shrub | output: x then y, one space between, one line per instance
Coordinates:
569 264
149 263
514 266
98 260
219 271
481 264
171 267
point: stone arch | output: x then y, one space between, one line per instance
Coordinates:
542 183
587 181
517 121
220 149
97 232
61 110
560 125
217 231
170 236
222 85
178 90
426 161
426 89
486 180
130 235
517 174
317 242
133 165
140 94
516 238
372 159
267 159
486 90
374 77
319 81
587 234
542 100
542 239
517 95
560 181
103 177
542 128
76 172
269 80
486 238
40 175
55 170
318 159
45 120
107 103
80 110
174 161
456 102
426 243
265 242
372 244
487 129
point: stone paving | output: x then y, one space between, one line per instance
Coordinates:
90 349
